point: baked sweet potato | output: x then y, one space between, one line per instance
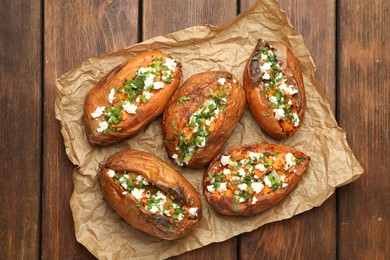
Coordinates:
129 97
149 194
274 89
200 117
252 178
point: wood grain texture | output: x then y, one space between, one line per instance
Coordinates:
364 69
74 31
20 139
162 17
311 235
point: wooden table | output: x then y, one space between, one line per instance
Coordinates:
40 40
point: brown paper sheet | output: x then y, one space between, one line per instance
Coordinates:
200 48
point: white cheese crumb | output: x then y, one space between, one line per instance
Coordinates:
284 185
111 173
193 211
240 200
290 160
142 70
234 81
263 56
137 193
153 209
124 192
241 172
171 64
158 85
226 171
225 160
273 99
279 113
111 96
267 182
257 187
102 127
98 112
147 94
254 156
266 66
260 167
180 216
222 187
210 188
266 76
221 81
175 156
254 200
242 186
295 119
130 108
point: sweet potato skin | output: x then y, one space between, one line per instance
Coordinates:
155 171
224 205
197 89
146 113
258 103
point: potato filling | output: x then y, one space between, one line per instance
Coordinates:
278 88
124 100
245 179
201 123
152 198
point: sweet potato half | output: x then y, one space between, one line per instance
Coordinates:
149 194
200 117
246 180
274 89
129 97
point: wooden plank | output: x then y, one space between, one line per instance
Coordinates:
20 131
74 31
161 17
311 235
363 108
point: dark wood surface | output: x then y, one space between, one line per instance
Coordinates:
40 40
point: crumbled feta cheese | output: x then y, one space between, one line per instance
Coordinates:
234 81
295 119
98 112
273 99
201 142
241 172
210 188
254 156
167 74
137 193
241 200
221 81
222 187
266 76
257 187
171 64
226 171
225 159
242 186
142 70
193 211
175 156
267 182
153 209
166 212
254 200
111 173
284 185
158 85
260 167
124 185
263 56
149 80
130 108
290 160
244 161
147 95
235 178
102 127
289 102
180 216
266 66
111 96
124 192
279 113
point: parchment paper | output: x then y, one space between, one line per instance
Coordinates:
200 48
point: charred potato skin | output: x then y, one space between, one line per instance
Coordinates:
258 103
176 115
225 206
162 176
146 113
